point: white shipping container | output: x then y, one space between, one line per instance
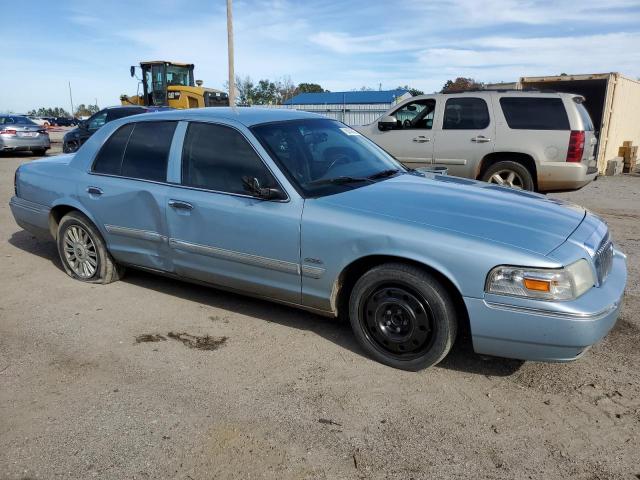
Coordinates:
613 101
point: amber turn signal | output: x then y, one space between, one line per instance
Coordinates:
538 285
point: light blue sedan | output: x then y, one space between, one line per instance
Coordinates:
303 210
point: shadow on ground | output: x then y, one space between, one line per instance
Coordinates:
461 358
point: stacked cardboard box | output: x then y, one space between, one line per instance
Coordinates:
630 155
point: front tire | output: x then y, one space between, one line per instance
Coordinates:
83 252
402 316
510 174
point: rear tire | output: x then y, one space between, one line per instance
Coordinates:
40 152
402 316
510 174
83 252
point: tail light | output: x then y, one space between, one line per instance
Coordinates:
8 131
576 146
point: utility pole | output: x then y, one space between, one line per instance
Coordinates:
71 99
232 77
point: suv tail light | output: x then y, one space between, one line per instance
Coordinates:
576 146
8 131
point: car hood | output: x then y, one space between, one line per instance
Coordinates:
75 133
522 219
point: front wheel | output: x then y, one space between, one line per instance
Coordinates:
83 252
403 316
510 174
70 147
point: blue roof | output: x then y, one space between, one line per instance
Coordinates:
335 98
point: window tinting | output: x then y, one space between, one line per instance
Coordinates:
534 113
109 159
116 113
217 158
465 113
147 152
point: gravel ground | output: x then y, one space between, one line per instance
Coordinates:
285 394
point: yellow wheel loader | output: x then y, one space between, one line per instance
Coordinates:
171 84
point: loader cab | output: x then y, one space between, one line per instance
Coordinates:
157 76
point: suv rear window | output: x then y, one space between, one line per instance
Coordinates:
535 113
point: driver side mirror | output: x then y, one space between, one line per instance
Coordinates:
132 71
388 122
252 186
83 125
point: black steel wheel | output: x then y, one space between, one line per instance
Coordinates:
403 316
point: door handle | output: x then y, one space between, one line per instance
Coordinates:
94 191
180 205
421 139
481 139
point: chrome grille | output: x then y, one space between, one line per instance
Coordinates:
603 259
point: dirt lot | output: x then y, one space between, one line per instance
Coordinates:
288 395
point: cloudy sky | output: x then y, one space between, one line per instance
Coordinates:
342 45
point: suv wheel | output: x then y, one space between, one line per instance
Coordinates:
402 316
509 174
83 252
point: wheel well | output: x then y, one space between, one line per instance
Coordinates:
56 215
522 158
350 275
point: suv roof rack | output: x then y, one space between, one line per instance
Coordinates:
527 89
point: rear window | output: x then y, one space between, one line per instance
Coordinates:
17 120
535 113
147 152
584 115
137 150
109 159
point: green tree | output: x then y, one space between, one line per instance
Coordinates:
413 91
461 84
49 112
86 110
310 88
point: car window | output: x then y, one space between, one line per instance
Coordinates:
465 113
147 152
116 113
109 159
415 115
587 124
534 113
314 152
98 120
217 158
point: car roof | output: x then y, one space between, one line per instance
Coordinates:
248 116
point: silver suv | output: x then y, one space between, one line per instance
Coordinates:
529 140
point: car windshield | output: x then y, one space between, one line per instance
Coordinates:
17 120
323 156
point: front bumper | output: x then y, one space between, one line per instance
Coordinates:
547 331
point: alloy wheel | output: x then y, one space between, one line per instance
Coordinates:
80 252
507 178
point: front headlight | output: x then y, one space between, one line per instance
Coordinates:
565 283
